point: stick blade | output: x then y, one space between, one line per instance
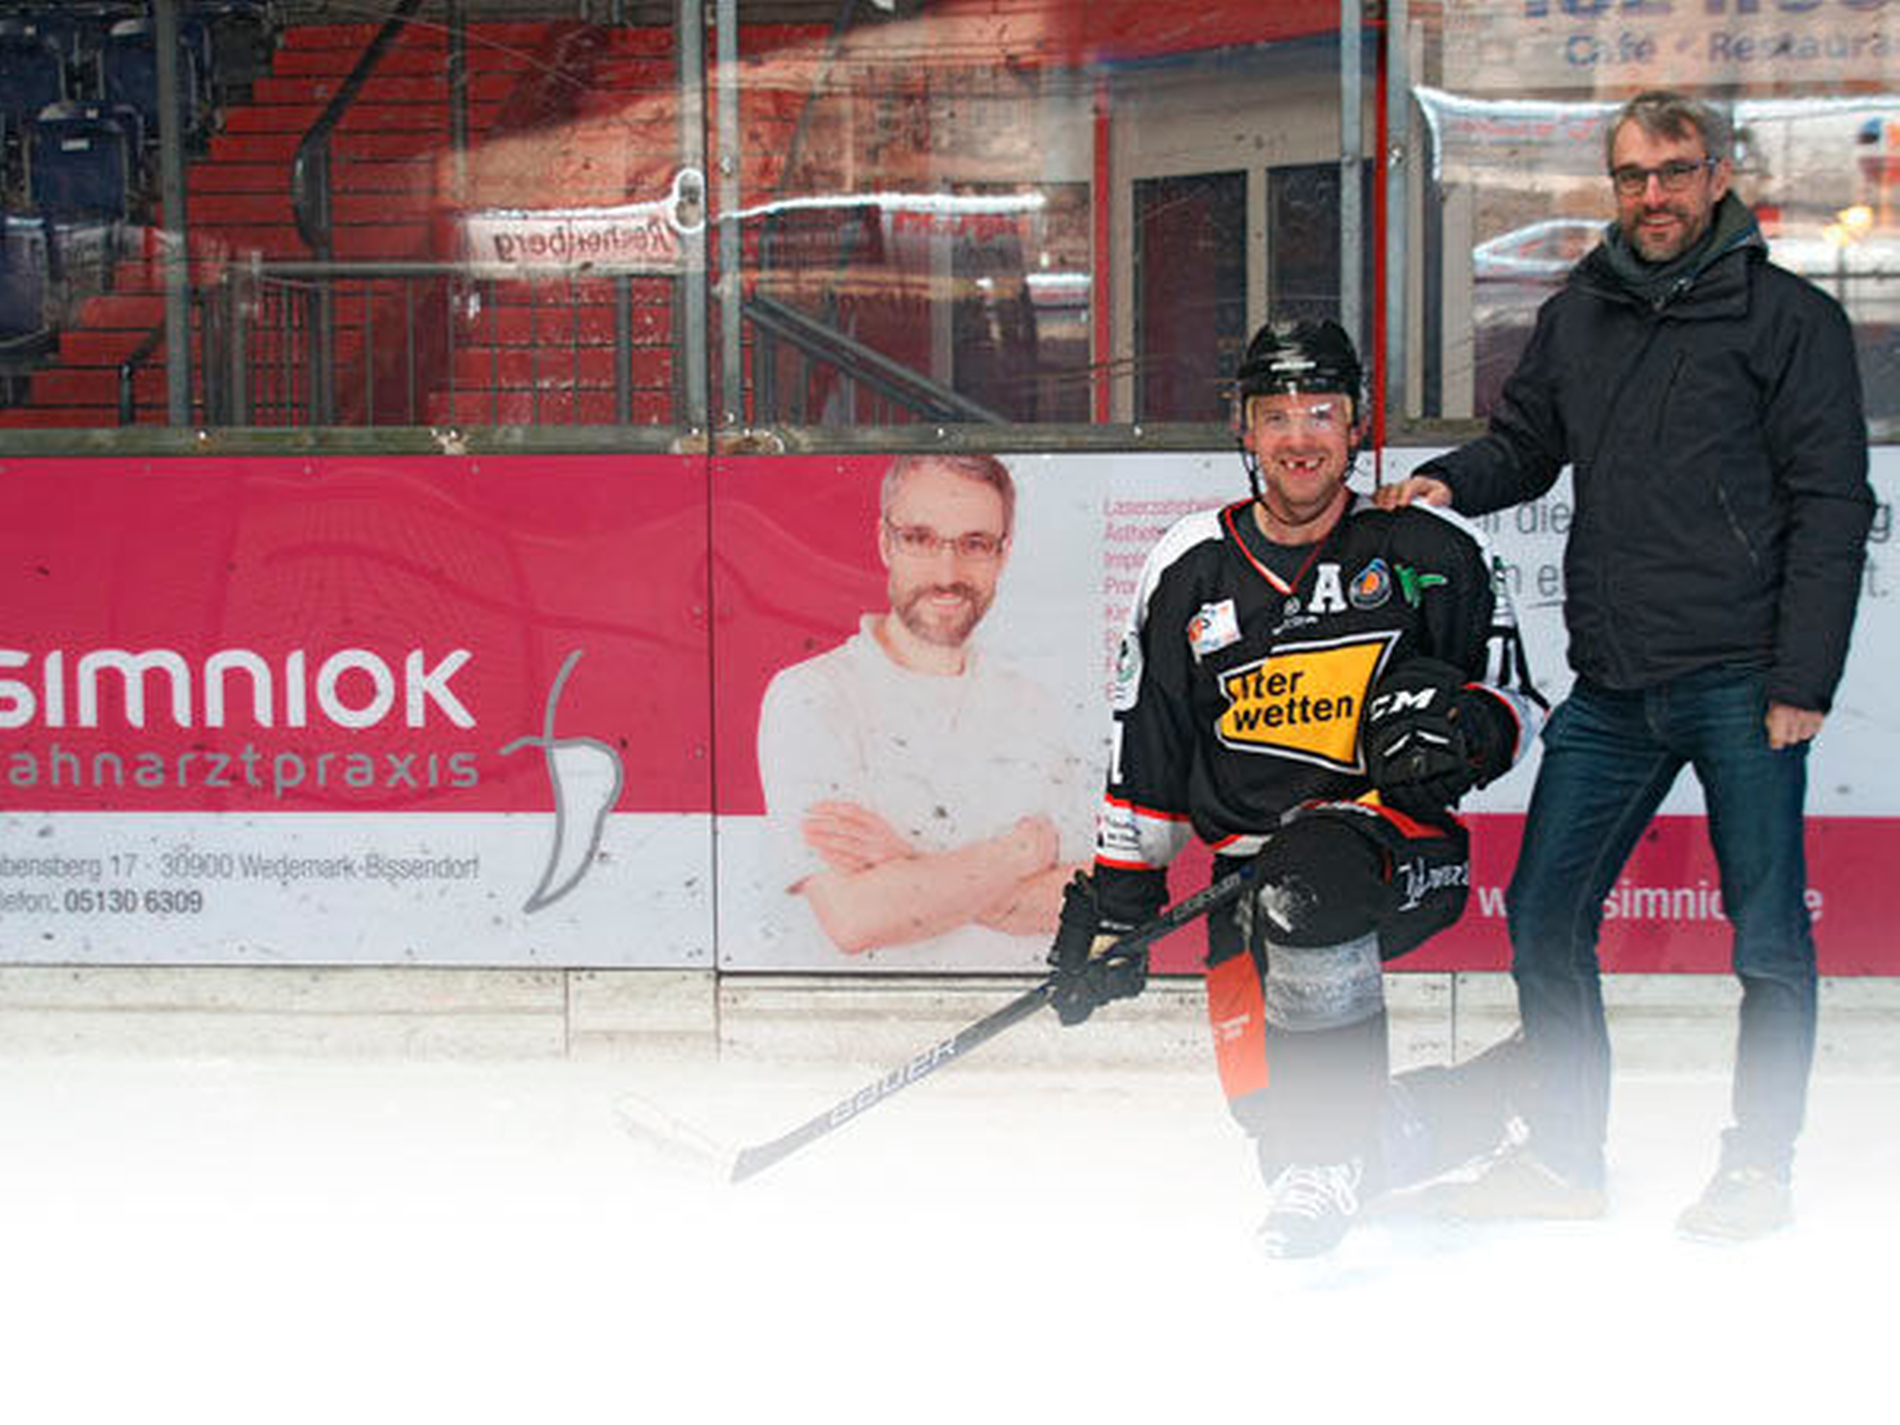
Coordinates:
674 1140
756 1159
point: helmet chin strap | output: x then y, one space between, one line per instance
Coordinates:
1251 463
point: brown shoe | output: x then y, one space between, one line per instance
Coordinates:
1514 1183
1739 1205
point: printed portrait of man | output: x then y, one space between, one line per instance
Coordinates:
922 799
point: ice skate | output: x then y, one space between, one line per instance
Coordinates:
1309 1209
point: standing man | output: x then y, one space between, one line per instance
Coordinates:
1285 657
917 789
1710 407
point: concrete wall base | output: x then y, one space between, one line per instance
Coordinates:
1660 1023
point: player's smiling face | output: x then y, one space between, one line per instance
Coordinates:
1303 443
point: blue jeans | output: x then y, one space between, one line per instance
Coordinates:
1609 759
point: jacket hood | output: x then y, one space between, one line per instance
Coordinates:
1614 263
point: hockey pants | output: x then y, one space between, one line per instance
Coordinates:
1296 1002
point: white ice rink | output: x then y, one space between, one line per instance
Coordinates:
266 1242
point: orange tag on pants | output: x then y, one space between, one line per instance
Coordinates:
1236 1013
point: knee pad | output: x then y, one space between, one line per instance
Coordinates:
1321 880
1317 987
1339 867
1320 889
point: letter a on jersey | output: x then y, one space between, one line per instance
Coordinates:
1304 700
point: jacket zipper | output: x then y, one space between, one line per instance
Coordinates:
1669 390
1656 311
1734 524
1610 634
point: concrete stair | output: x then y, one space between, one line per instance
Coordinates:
560 115
387 154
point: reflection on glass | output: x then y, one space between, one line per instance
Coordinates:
548 213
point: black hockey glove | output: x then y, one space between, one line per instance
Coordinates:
1428 739
1089 972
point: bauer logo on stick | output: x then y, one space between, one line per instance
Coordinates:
910 1071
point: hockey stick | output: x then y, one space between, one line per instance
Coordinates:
761 1156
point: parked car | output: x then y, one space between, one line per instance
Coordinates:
1515 271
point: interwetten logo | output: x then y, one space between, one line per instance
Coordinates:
1303 701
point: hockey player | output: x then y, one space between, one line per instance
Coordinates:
1311 683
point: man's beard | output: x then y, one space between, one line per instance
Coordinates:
1687 235
911 613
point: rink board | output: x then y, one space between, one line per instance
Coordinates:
1083 526
505 710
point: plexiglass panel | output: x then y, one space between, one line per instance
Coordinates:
688 218
1512 99
743 216
1039 212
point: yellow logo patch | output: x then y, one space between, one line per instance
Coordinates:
1304 700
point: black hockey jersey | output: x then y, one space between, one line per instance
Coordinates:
1238 692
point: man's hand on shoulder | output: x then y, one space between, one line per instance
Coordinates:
1422 488
1788 726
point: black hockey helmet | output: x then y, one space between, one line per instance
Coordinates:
1296 357
1299 356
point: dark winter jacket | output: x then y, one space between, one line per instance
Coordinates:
1719 460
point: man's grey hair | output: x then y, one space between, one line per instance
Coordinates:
984 469
1666 114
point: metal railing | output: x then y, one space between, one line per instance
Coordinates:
323 343
434 343
311 202
901 388
402 334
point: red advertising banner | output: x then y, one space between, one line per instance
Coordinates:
240 694
1665 915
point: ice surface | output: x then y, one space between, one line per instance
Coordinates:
272 1242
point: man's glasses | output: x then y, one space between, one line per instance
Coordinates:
1632 179
920 541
